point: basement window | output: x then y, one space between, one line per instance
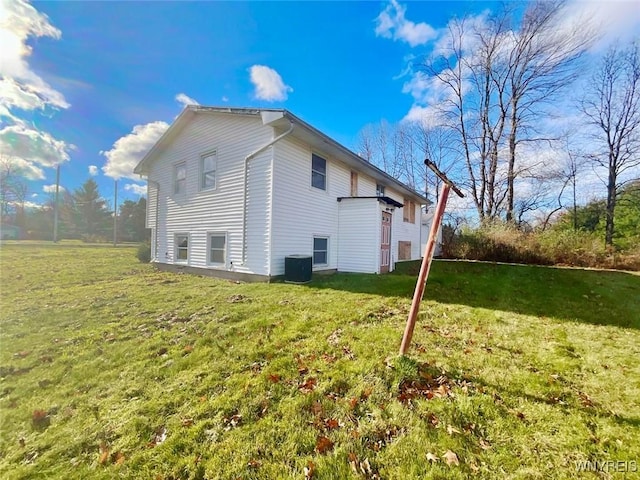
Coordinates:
182 247
217 249
318 172
320 250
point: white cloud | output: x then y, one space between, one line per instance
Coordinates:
268 84
34 195
51 188
127 151
225 99
392 23
93 170
136 189
20 87
185 100
25 169
33 146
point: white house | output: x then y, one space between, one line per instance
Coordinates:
233 191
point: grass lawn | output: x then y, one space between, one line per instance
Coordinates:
111 369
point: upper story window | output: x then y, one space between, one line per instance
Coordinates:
208 164
379 190
318 172
354 184
180 178
409 211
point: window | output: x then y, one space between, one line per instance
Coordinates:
409 211
180 178
404 250
182 247
320 250
218 248
379 190
354 184
318 172
208 171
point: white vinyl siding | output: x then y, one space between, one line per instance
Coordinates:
199 211
358 241
404 231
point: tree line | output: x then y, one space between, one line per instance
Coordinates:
493 123
82 214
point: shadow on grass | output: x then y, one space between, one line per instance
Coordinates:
588 296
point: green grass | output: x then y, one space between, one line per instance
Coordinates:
111 369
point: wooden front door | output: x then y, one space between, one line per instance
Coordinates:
385 243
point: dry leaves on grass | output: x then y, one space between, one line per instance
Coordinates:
451 458
323 445
363 467
309 470
432 457
308 386
159 436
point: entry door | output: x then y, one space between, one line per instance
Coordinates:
385 243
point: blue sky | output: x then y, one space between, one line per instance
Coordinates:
103 79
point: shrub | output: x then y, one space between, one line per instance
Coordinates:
503 243
144 253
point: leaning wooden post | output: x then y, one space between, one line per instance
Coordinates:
447 185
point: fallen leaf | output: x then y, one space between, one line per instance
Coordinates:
484 444
432 458
451 458
187 422
309 470
331 424
451 430
104 453
22 354
253 464
316 408
353 403
274 377
188 349
308 386
158 437
323 445
520 415
118 458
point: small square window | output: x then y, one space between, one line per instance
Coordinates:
182 247
379 190
320 250
318 172
208 165
217 248
180 178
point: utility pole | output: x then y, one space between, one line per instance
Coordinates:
115 215
55 206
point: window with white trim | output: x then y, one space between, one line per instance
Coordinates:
180 178
318 172
320 250
182 247
208 164
379 190
217 249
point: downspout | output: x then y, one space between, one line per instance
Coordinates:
246 184
155 229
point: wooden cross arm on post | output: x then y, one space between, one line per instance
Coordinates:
428 253
434 168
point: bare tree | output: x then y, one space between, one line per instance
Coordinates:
612 106
541 63
13 191
499 82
